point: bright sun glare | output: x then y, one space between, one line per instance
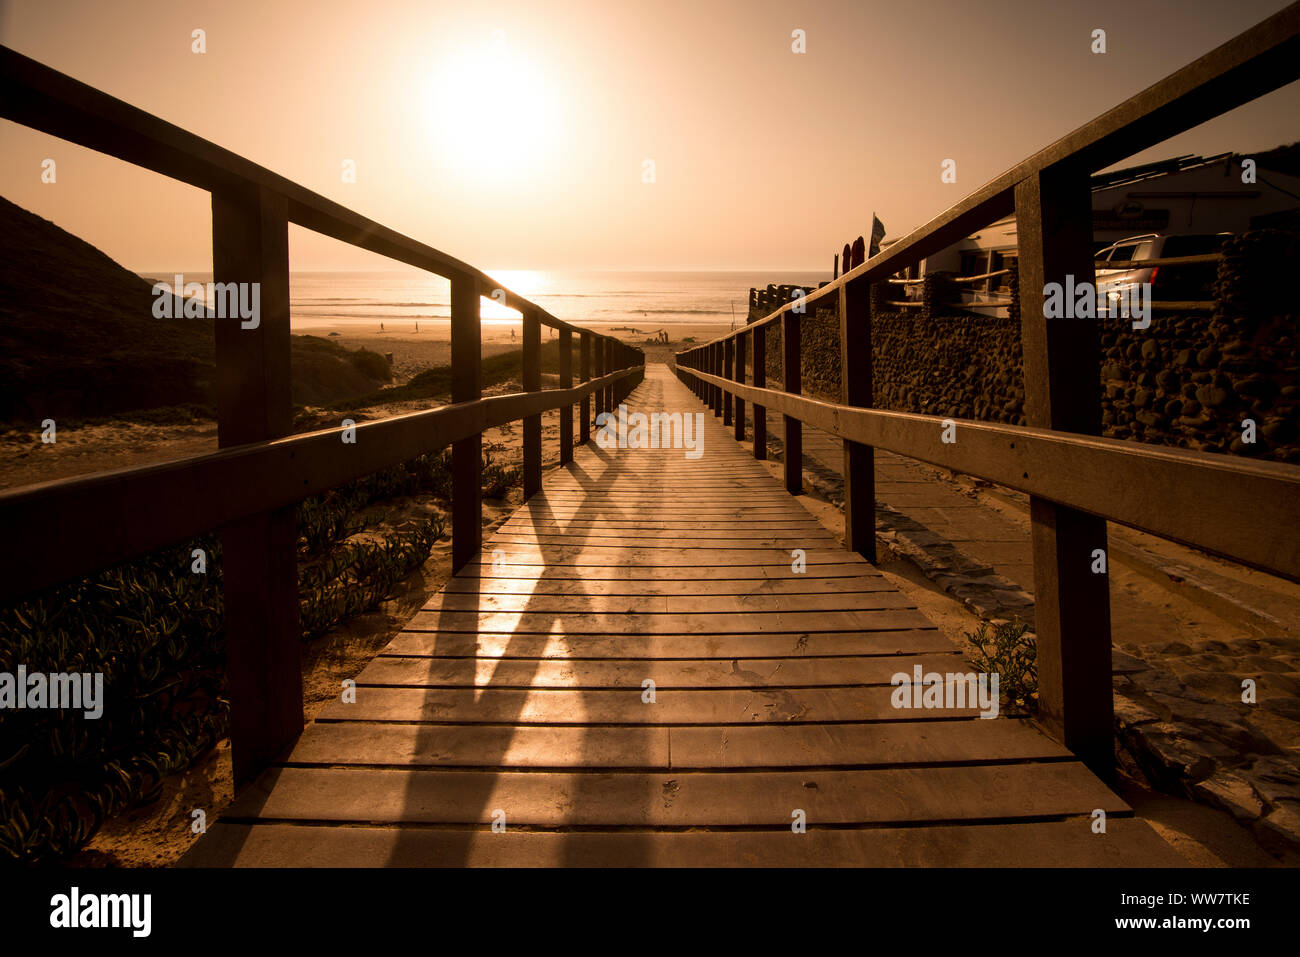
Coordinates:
493 116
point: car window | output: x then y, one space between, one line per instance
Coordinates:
1192 245
1123 254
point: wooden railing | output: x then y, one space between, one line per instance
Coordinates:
1243 510
57 531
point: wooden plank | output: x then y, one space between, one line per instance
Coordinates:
682 799
602 555
675 748
903 615
740 588
557 571
667 604
602 706
667 676
1126 843
897 641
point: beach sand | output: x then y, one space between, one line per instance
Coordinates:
99 446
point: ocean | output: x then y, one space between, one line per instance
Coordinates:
645 300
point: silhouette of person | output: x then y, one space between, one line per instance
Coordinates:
859 252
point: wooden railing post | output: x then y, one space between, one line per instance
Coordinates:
584 372
855 389
532 383
250 244
466 454
609 367
1071 602
740 377
566 382
728 358
791 373
760 382
715 368
601 404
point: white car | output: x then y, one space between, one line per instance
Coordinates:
1123 270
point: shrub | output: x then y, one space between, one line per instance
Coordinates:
1010 652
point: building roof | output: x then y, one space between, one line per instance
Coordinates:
1135 174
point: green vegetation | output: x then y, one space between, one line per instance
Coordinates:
155 630
1011 653
436 382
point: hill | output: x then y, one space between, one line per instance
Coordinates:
78 338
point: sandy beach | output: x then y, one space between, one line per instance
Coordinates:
414 351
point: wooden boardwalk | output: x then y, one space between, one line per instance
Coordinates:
517 695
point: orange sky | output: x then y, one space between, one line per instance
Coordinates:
513 135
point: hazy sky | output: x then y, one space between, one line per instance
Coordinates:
515 135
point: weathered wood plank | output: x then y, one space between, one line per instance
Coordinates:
493 705
648 748
758 799
1126 843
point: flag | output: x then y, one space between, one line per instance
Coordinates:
877 234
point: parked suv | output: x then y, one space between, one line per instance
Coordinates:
1186 283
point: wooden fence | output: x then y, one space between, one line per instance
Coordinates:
1243 510
61 530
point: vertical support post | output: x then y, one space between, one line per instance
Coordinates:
1054 220
855 389
566 382
715 368
250 244
532 423
728 358
611 404
760 382
600 371
740 377
466 454
584 372
792 374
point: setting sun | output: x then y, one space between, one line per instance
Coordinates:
492 116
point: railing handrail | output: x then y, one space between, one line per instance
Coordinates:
98 510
